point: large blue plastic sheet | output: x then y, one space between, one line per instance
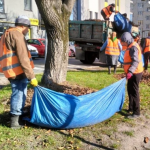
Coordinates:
52 109
121 23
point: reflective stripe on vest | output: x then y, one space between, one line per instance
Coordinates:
128 61
124 47
107 11
112 48
147 47
9 63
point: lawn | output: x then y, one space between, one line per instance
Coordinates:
92 137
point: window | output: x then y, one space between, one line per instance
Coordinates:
140 22
140 13
140 5
43 41
96 15
1 6
27 5
148 9
148 17
131 7
147 26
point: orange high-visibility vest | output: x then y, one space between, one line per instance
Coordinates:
112 48
9 63
107 11
124 47
128 61
147 47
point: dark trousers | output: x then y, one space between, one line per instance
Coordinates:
146 59
133 93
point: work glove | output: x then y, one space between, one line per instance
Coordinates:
129 75
34 82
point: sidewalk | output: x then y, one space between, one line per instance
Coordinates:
3 81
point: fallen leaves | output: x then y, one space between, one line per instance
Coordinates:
146 139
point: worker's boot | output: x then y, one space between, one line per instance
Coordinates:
109 70
15 123
115 67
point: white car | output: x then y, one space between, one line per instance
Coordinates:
33 50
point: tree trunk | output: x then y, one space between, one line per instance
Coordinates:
55 15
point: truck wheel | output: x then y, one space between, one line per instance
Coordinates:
83 61
89 57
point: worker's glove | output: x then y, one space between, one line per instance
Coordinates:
34 82
129 75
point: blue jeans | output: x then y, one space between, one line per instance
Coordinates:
18 96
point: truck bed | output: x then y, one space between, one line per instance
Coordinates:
87 31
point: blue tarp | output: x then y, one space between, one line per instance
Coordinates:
121 23
58 110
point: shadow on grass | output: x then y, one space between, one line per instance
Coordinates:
95 71
123 112
87 142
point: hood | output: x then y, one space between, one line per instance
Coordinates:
126 37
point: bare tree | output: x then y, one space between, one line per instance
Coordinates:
55 14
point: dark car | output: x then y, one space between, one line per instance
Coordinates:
39 44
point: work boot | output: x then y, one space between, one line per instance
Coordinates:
109 70
15 123
133 116
115 67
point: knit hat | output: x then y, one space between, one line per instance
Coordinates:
22 21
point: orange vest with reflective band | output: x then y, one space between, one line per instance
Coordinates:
128 61
147 47
112 48
9 63
124 47
107 11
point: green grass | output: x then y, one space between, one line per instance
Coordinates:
129 133
38 138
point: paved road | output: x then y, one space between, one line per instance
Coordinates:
73 64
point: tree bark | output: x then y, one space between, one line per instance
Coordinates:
55 14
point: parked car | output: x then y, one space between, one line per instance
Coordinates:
39 44
71 52
33 50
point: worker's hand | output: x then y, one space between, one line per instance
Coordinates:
129 75
117 11
34 82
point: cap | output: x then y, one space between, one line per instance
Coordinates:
113 4
134 34
22 21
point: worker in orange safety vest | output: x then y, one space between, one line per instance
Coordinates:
112 48
107 11
17 65
146 51
133 68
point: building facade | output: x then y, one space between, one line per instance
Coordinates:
141 15
91 9
10 9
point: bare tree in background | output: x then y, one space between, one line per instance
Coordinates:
55 14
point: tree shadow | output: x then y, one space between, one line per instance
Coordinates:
123 112
87 142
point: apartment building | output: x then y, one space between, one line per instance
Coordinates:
141 15
10 9
91 9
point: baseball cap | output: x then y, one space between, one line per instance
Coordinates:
22 21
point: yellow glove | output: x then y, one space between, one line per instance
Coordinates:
34 82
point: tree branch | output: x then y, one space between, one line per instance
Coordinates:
69 3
